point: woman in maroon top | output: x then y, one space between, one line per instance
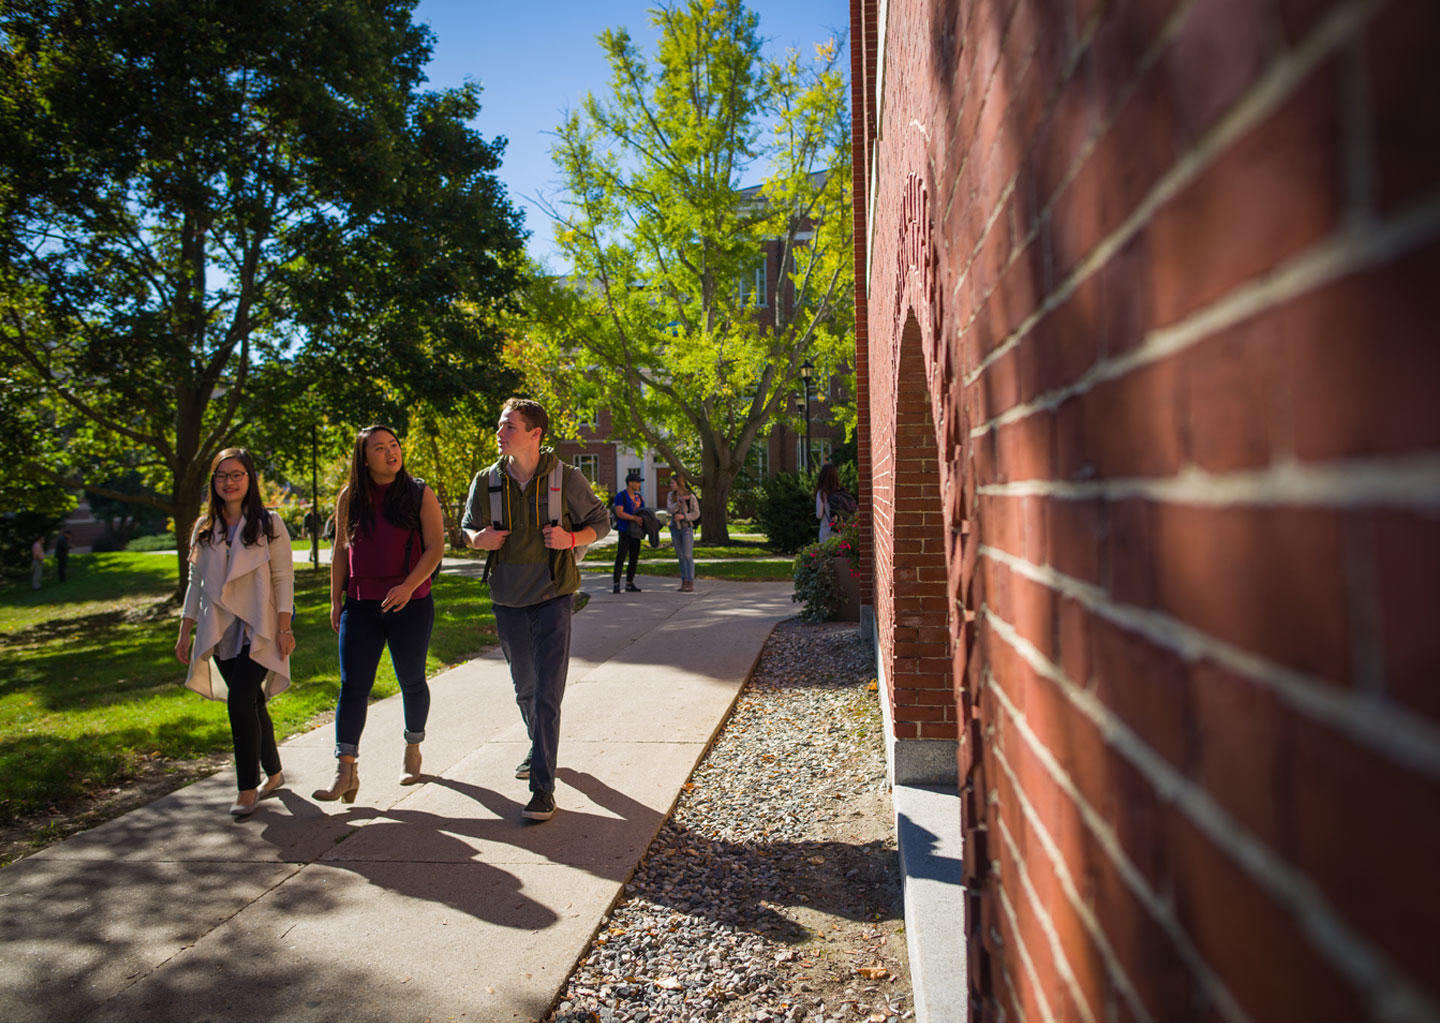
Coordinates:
389 537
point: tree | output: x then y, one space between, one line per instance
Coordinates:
448 449
209 208
661 321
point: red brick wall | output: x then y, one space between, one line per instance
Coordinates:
1148 341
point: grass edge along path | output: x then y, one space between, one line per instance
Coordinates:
92 697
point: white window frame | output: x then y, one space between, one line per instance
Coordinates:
589 465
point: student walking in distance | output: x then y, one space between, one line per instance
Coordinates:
628 504
37 562
238 604
684 509
389 538
826 484
533 576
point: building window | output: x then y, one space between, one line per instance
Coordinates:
819 451
752 288
590 466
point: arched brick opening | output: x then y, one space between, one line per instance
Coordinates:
912 579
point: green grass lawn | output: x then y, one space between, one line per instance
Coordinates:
89 684
746 557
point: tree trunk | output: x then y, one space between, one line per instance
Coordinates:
184 510
714 497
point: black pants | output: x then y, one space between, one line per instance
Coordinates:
627 546
250 725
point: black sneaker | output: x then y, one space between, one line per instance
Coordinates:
617 588
632 588
522 770
540 808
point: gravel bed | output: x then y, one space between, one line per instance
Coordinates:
773 892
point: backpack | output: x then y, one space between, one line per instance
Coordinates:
420 497
842 503
555 508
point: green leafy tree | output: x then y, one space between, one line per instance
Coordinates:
210 209
662 321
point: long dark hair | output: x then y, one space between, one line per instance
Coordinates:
402 502
828 481
213 523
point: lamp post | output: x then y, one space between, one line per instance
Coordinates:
806 370
314 496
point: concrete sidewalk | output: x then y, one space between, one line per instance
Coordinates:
425 902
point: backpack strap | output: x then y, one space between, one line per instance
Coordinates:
497 491
556 497
495 484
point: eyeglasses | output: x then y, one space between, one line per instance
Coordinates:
233 478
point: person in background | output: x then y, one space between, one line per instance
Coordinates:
37 562
238 605
62 553
628 504
684 509
825 485
390 536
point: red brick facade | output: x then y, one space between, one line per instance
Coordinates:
1149 387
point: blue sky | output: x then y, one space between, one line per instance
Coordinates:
535 60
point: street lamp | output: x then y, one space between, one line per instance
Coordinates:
314 495
806 370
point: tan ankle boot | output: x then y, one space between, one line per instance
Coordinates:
411 773
345 786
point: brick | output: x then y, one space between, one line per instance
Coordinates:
1065 343
1077 538
1278 191
1244 748
1363 363
1262 579
1074 636
1127 296
1025 448
1380 886
1071 122
1033 613
1144 685
1228 385
1051 899
1132 423
1250 940
1407 571
1220 51
1404 95
1130 565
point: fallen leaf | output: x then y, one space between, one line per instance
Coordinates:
490 989
873 973
817 860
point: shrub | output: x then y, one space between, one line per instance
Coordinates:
815 584
787 512
152 542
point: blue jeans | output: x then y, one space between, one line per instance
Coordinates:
684 541
364 632
536 642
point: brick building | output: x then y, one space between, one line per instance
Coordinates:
1150 446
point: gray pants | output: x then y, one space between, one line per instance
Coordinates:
35 574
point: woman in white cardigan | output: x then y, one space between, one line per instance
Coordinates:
238 605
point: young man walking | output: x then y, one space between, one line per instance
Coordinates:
533 578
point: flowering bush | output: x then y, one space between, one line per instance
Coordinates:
815 584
